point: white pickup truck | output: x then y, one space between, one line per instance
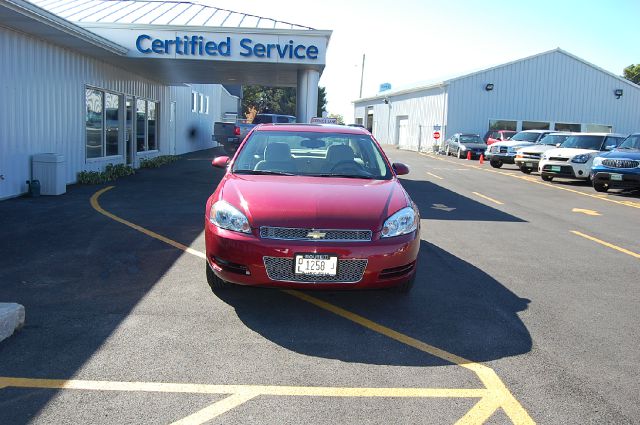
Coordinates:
230 134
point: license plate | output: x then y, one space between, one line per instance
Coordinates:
616 177
231 139
528 164
556 168
316 264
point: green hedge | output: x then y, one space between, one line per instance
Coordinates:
158 161
110 173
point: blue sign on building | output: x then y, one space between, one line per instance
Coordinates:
385 87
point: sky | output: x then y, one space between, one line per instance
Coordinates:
412 42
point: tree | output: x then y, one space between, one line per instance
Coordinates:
339 117
632 73
275 100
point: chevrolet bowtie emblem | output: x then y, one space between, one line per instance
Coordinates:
314 234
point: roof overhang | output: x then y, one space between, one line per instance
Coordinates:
30 19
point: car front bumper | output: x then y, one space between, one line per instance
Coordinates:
528 163
250 260
564 169
629 180
506 158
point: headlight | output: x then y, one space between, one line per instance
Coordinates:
226 216
403 222
581 159
597 161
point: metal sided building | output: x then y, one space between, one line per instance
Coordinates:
102 82
552 90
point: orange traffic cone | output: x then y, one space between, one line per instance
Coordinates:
468 155
481 158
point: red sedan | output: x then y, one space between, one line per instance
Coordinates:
311 206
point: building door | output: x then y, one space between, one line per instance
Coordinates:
4 180
172 128
128 131
402 130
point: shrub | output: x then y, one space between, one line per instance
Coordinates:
158 161
110 173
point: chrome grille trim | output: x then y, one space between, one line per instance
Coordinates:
280 269
620 163
300 234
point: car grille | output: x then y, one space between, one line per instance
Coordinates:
558 158
620 163
281 269
531 155
299 234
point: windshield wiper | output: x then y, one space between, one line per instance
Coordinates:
264 172
347 176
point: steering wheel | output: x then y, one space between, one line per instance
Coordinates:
348 166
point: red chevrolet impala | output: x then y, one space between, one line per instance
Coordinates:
311 206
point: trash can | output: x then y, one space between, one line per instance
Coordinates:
49 169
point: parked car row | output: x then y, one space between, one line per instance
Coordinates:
606 160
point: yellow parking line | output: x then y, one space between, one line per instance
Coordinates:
433 175
497 391
607 244
214 410
487 198
631 204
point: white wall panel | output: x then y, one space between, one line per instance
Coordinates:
552 87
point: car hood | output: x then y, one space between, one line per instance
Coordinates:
568 152
314 202
537 148
474 145
622 153
512 143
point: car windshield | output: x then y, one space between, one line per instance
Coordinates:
470 138
525 137
314 154
553 139
631 142
583 142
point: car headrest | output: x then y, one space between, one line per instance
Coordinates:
337 153
277 152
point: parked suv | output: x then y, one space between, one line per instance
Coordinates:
493 136
620 168
461 144
574 159
528 157
501 153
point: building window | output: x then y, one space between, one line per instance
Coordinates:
103 123
535 125
194 101
574 128
359 121
503 125
206 105
597 128
146 125
201 109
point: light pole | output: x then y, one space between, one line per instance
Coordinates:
361 76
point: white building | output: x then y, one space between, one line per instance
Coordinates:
108 82
552 90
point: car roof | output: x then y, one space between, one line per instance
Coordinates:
599 134
313 128
536 131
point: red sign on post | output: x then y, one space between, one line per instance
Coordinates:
436 135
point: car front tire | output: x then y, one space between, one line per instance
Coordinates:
600 187
526 170
546 178
495 163
215 283
459 153
405 287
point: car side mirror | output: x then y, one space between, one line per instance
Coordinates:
609 148
220 162
400 168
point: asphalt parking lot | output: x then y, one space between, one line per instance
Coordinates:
525 310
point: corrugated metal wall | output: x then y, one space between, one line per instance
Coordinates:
424 110
42 108
552 87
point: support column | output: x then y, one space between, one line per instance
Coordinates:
307 95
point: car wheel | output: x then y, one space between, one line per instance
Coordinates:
459 153
214 281
546 178
600 187
526 170
405 287
447 151
495 163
